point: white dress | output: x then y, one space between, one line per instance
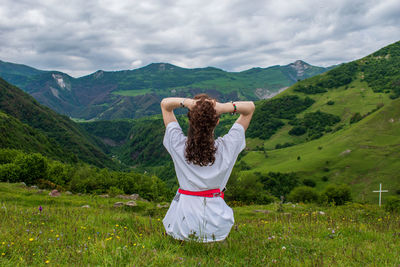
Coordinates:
203 219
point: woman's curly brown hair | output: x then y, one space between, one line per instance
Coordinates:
200 148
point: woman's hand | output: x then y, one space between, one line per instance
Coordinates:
189 103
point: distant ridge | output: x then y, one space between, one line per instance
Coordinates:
137 93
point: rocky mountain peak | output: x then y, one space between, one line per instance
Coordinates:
299 66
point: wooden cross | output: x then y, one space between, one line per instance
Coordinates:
380 193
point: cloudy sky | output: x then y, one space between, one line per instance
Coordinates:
79 37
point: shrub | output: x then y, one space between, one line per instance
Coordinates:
298 130
10 173
303 194
247 189
287 144
33 167
309 182
393 204
8 155
330 102
336 194
356 117
324 178
277 183
113 191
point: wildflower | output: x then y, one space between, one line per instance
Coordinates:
283 248
134 244
116 225
30 239
2 254
88 238
29 222
158 219
118 237
57 235
125 227
40 208
3 243
333 231
47 262
52 230
142 246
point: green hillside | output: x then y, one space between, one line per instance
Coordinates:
362 155
29 126
137 93
360 149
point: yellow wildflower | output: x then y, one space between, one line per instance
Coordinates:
47 262
31 239
88 238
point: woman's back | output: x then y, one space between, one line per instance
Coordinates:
197 178
203 166
201 218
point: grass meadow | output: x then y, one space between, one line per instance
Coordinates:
66 234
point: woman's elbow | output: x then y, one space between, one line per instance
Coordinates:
163 103
252 107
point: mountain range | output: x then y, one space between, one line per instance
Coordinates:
137 93
342 126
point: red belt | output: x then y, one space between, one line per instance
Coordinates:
207 193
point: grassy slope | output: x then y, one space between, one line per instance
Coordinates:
374 143
66 140
17 135
64 234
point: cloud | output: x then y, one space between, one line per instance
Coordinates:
80 37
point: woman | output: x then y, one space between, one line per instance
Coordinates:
203 166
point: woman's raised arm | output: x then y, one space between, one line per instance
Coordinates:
170 103
244 108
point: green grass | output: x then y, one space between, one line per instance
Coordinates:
132 92
64 234
374 158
